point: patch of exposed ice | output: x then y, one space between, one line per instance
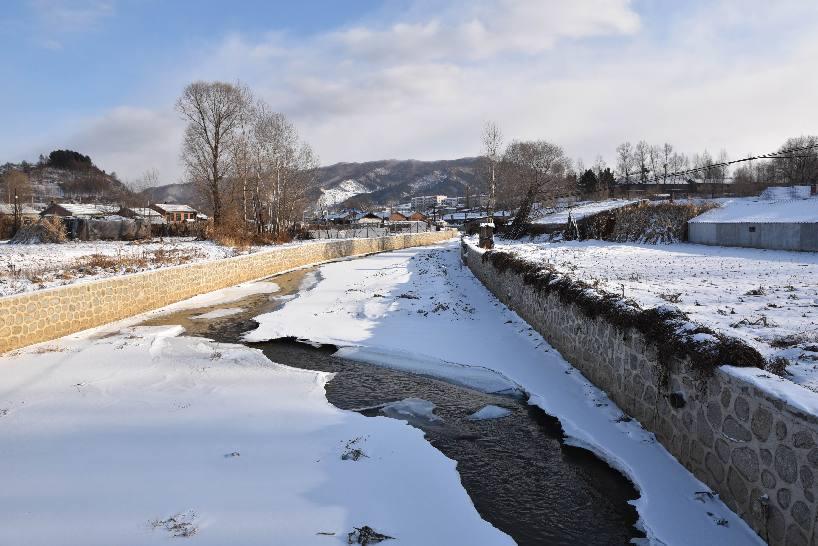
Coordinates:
411 408
489 412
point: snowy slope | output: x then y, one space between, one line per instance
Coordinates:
340 192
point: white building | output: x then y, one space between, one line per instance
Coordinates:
427 201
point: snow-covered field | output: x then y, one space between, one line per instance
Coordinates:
421 310
769 298
140 435
581 211
24 268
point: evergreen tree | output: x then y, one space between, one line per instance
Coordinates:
588 182
607 181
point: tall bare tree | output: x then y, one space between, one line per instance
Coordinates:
641 154
532 171
492 140
214 111
16 185
667 155
799 163
283 170
624 161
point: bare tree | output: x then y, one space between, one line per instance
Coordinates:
283 170
654 159
641 154
16 186
624 161
531 171
799 162
492 140
667 156
213 111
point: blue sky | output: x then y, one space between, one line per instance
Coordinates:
368 80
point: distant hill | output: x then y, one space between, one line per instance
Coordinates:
68 175
393 181
370 183
175 193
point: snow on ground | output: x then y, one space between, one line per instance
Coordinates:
138 435
423 304
581 211
24 268
768 298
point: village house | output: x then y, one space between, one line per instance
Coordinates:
79 210
175 214
417 217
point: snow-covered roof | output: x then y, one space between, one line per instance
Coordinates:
144 211
789 211
172 207
78 209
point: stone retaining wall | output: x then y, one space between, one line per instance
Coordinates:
755 450
48 314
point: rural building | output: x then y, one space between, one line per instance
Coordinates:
78 210
417 217
368 218
396 216
778 225
175 214
425 202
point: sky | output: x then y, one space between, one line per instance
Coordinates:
367 80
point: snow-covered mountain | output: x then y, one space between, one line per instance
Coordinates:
390 181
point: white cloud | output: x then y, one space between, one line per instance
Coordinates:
586 75
132 141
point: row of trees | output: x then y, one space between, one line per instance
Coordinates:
527 172
247 159
795 163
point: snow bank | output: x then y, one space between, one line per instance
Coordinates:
141 436
767 298
424 303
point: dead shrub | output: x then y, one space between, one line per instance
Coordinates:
655 223
47 230
778 366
